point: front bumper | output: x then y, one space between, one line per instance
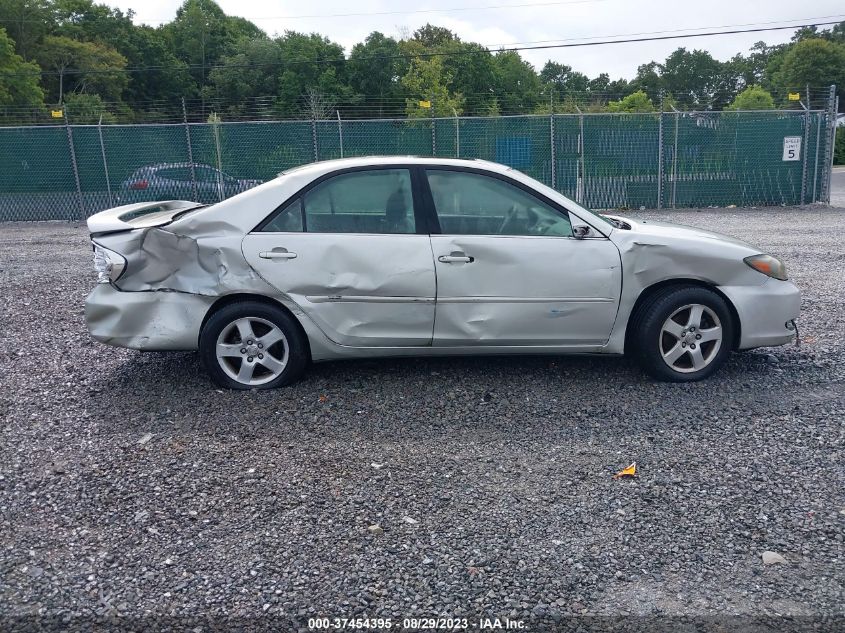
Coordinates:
764 312
151 321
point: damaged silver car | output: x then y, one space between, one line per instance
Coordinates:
395 256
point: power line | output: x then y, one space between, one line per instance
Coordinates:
383 58
838 17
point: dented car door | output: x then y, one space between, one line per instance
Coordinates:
511 272
348 253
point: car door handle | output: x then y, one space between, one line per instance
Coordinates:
454 258
277 255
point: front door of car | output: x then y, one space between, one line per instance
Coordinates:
510 272
348 252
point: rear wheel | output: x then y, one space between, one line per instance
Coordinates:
683 334
252 345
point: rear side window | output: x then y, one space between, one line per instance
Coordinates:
288 220
371 201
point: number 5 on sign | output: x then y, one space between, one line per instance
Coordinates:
791 148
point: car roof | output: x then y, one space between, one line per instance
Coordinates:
325 166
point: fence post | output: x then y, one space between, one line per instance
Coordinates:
75 167
660 155
816 162
832 111
552 146
433 130
675 160
215 123
190 149
804 143
457 134
582 185
832 148
105 162
340 132
314 137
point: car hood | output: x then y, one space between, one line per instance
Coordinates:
668 231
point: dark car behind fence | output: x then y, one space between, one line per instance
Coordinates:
603 161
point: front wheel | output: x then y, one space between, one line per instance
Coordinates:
683 334
252 345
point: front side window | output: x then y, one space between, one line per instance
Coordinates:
474 204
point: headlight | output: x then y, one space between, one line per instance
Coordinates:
768 265
107 264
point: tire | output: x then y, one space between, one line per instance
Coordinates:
253 345
683 334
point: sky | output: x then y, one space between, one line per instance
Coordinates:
530 22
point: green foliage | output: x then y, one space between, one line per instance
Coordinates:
83 47
18 79
517 84
375 70
426 80
814 62
86 109
636 102
752 98
310 90
26 22
86 67
202 34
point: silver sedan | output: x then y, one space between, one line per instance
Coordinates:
396 256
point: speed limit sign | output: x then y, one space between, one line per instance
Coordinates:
791 148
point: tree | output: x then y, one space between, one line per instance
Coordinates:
752 98
252 70
87 109
426 80
649 80
18 79
82 67
692 78
142 46
433 36
636 102
517 84
813 62
26 22
563 79
472 74
201 34
300 76
375 70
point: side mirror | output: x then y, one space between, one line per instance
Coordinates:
580 231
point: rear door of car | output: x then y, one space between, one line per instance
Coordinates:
352 250
509 270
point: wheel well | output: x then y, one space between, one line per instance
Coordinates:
244 296
648 293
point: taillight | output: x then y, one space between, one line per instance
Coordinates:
139 184
107 264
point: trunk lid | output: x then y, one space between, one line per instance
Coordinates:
138 216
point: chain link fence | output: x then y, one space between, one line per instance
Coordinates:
603 161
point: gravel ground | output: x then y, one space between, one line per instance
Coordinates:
131 487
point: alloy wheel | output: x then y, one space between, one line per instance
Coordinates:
690 338
252 350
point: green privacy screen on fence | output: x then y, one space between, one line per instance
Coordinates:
603 161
